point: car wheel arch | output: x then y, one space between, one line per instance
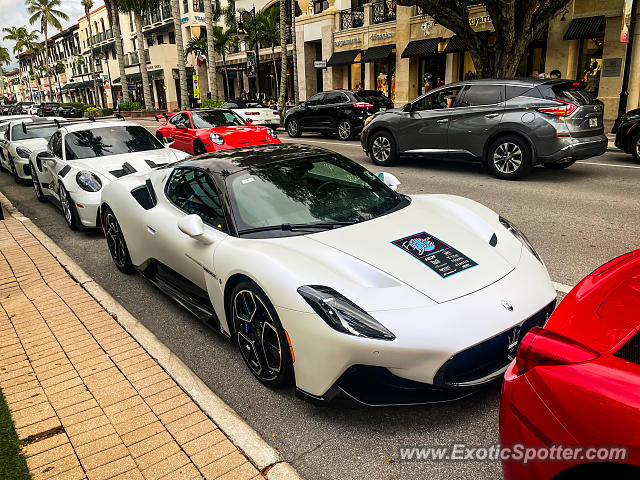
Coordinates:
382 129
505 133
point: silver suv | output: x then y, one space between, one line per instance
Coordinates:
509 124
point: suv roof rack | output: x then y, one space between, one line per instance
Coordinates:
58 123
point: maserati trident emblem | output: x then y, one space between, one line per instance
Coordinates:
507 305
512 342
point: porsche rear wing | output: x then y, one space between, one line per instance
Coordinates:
165 115
59 123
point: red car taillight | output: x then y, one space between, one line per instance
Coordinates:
610 264
252 113
563 110
363 105
541 347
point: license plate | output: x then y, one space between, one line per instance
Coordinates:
593 122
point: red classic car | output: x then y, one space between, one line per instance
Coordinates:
202 131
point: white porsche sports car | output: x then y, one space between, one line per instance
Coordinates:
254 112
326 276
22 137
85 155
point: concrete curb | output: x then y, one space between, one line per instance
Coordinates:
257 450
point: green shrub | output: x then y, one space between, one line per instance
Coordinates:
106 112
78 105
210 103
128 106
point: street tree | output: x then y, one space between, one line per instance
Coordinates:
517 24
140 8
5 56
267 22
212 12
182 69
296 91
114 20
283 56
47 13
24 41
88 5
223 40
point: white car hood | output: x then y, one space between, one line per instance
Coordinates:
107 165
461 229
32 143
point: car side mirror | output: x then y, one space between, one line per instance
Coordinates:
407 108
44 156
389 180
303 104
192 225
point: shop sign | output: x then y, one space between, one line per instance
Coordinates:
131 87
381 36
320 64
476 21
347 41
626 20
196 87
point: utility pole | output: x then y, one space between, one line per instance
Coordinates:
624 93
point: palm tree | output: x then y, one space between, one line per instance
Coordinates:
222 42
283 56
296 92
114 20
140 8
5 57
211 15
182 70
47 13
88 5
269 34
24 40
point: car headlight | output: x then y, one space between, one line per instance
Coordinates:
272 133
520 236
368 120
23 152
343 315
217 139
88 181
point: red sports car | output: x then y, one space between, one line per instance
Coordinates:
573 390
204 131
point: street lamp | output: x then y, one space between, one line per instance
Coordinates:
246 18
105 57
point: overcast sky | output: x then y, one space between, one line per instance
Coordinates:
14 14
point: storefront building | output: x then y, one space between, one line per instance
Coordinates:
404 53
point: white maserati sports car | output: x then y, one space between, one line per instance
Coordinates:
326 276
85 155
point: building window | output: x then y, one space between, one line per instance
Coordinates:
185 6
149 41
160 39
114 54
320 5
172 38
590 63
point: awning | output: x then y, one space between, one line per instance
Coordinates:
374 54
455 45
137 77
343 58
584 27
422 48
83 84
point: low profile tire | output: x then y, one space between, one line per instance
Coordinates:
198 148
635 147
509 158
345 129
14 171
36 185
69 211
260 337
293 128
116 243
382 149
558 166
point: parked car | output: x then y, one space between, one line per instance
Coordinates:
69 111
510 125
5 109
576 382
627 131
47 109
22 108
20 138
84 156
202 131
254 112
33 109
341 112
298 252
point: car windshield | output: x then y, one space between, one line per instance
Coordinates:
318 189
215 118
104 141
239 103
32 132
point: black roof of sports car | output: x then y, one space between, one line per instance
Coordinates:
228 162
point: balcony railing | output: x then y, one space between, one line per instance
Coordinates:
351 18
163 12
133 58
383 11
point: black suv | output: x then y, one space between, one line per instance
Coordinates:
509 124
337 111
47 109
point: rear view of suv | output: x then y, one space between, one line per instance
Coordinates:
509 124
342 112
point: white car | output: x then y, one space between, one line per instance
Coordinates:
19 139
254 112
322 273
84 156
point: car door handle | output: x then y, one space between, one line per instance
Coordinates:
491 115
444 120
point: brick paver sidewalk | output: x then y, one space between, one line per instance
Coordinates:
85 397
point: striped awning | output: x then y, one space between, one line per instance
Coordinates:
455 45
584 27
343 58
375 54
422 48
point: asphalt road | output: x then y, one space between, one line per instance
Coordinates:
577 218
